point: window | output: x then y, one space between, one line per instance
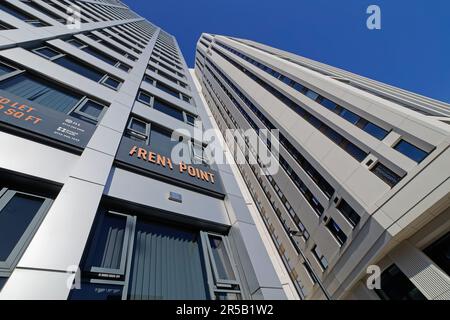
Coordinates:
220 267
43 10
21 15
47 52
190 119
33 88
411 151
90 110
396 286
167 89
138 129
78 67
336 231
5 69
4 26
375 131
350 116
328 104
320 257
439 252
20 215
99 55
167 109
312 95
386 174
144 98
349 213
129 257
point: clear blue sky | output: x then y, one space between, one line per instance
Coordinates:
411 51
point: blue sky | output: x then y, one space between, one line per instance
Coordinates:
411 51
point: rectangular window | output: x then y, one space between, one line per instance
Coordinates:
190 119
411 151
320 257
167 109
336 231
375 131
349 213
90 110
144 97
130 257
21 15
168 89
33 88
439 252
138 129
395 285
386 174
20 215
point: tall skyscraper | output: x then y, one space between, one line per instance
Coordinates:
363 184
92 203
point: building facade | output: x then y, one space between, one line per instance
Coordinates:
359 208
92 203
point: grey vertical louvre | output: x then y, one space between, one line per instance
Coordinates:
107 244
34 89
166 264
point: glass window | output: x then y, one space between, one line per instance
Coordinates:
76 43
349 213
336 231
80 68
112 83
312 95
41 91
375 131
350 116
396 286
411 151
90 109
47 52
298 87
5 69
355 152
386 174
320 257
160 140
328 104
145 98
439 252
15 217
221 259
22 15
190 119
167 109
167 89
138 126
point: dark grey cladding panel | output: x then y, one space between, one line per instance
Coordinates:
32 117
192 176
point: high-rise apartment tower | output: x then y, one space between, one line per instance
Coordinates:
363 182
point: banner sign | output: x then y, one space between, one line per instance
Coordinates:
18 112
140 155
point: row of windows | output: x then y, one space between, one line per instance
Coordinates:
97 12
166 67
351 117
116 38
110 259
112 47
343 207
79 67
33 88
254 168
165 107
164 87
380 170
160 140
99 54
21 15
320 181
166 56
168 77
403 146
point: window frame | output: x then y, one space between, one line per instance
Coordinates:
6 195
82 103
137 134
